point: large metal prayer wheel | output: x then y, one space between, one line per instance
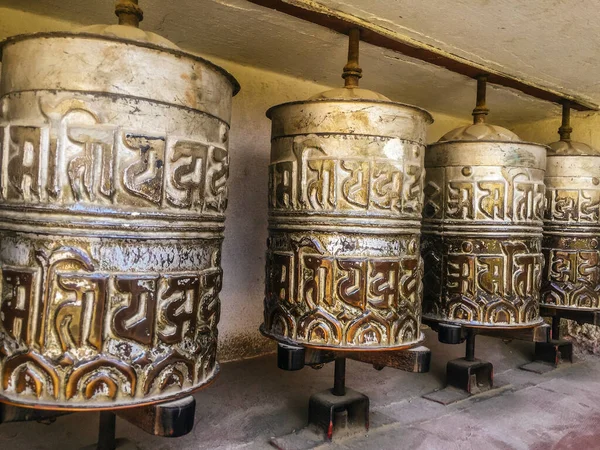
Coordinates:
572 224
345 198
482 228
113 192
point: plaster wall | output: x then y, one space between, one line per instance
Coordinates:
241 31
246 225
586 128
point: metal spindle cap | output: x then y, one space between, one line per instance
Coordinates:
565 146
480 130
130 15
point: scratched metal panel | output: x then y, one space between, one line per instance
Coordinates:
114 161
345 200
482 228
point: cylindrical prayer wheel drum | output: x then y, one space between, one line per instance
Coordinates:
572 227
345 198
113 191
482 228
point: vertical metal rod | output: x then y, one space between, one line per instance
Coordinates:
470 346
339 382
107 431
565 129
555 328
352 71
129 12
481 109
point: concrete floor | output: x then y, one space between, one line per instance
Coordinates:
252 401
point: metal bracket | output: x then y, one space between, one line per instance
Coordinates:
581 316
415 360
170 419
473 377
455 333
342 410
10 413
554 352
549 355
464 376
332 413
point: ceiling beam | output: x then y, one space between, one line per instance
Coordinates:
334 20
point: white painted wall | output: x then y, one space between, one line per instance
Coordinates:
246 227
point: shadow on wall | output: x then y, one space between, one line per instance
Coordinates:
244 247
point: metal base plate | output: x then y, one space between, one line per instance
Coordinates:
120 444
312 437
450 394
473 377
549 355
332 413
464 379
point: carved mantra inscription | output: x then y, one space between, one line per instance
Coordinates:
71 334
77 158
511 196
572 272
314 180
573 205
344 286
315 297
482 280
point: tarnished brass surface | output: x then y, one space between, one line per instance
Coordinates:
113 171
572 224
345 200
482 227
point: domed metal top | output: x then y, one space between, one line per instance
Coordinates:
571 148
480 132
128 33
351 93
130 15
352 73
567 147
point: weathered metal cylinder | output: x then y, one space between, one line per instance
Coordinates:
345 200
113 191
482 228
572 227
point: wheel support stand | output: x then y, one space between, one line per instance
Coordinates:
470 376
340 411
171 419
550 355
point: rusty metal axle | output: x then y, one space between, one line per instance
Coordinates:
128 12
481 110
352 71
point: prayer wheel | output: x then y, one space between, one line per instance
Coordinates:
345 199
482 226
572 224
113 191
